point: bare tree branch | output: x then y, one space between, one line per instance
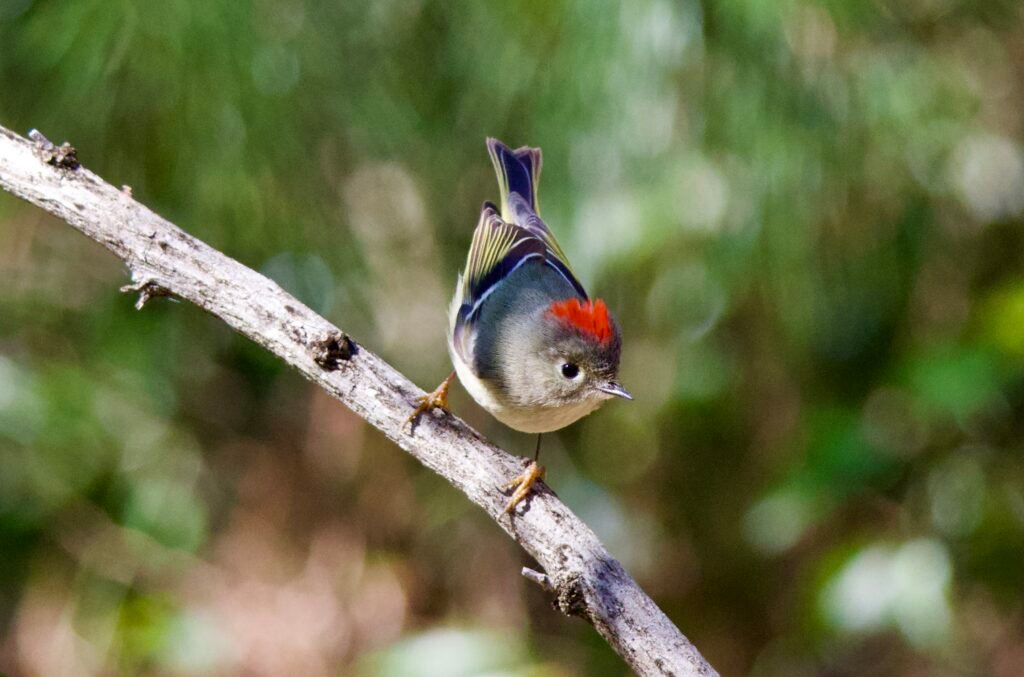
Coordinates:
584 579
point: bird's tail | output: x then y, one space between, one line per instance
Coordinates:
518 172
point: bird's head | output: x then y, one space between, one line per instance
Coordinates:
575 354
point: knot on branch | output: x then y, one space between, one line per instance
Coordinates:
333 348
569 597
148 288
64 156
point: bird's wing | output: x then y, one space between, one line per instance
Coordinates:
498 249
518 173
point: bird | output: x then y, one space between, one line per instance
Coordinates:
527 342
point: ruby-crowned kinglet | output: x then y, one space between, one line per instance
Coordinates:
527 342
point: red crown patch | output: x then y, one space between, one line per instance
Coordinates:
590 317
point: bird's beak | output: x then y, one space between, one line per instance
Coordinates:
613 388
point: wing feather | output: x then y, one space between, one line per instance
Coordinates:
504 240
497 250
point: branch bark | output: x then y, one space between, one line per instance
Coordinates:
584 579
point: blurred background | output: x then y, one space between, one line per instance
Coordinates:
808 216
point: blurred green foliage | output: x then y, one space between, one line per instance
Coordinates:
807 215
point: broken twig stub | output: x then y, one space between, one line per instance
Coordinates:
64 156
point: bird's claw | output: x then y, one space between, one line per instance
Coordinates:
435 400
522 485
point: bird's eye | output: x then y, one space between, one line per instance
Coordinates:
570 370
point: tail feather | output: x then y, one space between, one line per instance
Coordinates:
532 159
518 172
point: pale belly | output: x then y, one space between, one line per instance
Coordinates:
523 419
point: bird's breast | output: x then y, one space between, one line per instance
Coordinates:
526 419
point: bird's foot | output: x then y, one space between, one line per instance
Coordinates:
435 400
522 485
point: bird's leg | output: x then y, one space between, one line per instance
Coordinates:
435 400
524 482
